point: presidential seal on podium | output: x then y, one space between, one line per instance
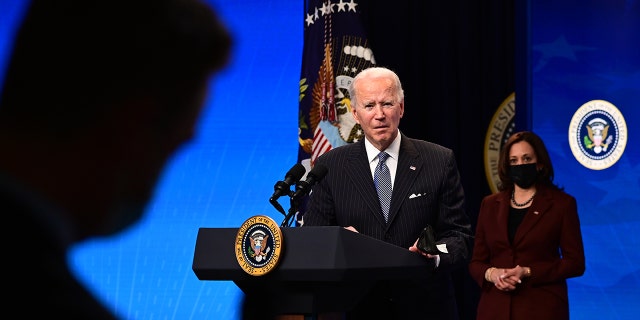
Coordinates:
258 245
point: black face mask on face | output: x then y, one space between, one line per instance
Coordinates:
524 175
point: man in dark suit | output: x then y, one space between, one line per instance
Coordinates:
425 190
98 95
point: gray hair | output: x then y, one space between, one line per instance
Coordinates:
376 72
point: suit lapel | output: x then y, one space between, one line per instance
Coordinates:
359 172
409 166
503 206
537 210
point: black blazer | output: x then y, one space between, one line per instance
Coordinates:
427 190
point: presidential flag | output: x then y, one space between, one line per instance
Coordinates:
335 50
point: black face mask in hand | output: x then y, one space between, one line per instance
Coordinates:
524 175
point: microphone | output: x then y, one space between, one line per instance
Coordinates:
314 176
284 187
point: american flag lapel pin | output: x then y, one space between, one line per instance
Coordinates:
412 168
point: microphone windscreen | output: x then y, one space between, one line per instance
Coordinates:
296 172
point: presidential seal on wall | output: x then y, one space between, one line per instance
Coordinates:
500 129
597 134
258 245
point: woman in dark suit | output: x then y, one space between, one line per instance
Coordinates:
528 239
426 190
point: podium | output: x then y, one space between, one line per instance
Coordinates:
322 269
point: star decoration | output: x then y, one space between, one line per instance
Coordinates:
328 8
559 48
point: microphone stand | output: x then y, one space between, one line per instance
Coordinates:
293 209
277 205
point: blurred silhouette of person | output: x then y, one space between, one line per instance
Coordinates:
425 189
98 95
528 240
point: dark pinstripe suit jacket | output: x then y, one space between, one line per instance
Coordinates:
427 190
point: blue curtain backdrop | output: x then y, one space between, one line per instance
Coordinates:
248 137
